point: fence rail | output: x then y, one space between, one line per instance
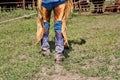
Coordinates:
89 7
97 6
14 5
18 18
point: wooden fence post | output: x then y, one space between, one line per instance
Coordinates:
24 6
33 4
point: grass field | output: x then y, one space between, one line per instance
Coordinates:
5 15
94 52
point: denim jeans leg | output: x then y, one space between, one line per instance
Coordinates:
45 39
59 43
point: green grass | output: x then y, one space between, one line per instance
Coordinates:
4 15
94 49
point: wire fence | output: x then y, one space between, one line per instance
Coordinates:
10 11
9 5
99 7
24 16
20 9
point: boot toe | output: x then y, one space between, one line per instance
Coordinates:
46 53
59 58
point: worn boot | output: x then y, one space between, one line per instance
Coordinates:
46 53
45 42
59 47
59 58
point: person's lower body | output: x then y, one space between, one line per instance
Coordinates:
59 39
45 41
59 42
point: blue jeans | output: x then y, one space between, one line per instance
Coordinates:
51 5
58 8
59 39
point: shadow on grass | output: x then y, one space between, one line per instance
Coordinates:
81 42
67 49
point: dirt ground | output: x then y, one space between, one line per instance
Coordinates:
60 74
